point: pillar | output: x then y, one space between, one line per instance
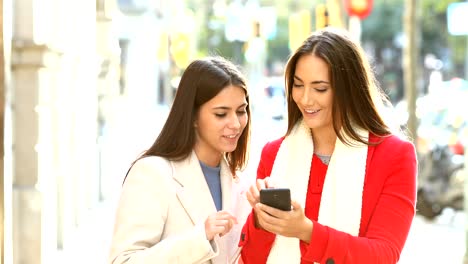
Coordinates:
33 174
54 125
2 129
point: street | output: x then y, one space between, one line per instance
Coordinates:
441 241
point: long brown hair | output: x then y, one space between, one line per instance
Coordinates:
356 93
201 81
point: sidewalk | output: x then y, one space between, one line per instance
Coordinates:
430 243
91 241
440 241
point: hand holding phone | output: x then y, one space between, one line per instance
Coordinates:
279 198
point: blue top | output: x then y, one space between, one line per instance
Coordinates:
212 177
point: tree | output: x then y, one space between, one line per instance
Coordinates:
436 39
2 122
409 64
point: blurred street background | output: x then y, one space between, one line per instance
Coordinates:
85 87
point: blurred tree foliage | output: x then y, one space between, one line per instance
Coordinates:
385 23
278 49
382 30
381 35
212 40
437 40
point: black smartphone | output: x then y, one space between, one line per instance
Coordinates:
279 198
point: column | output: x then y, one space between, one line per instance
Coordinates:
34 178
2 129
465 196
54 125
108 90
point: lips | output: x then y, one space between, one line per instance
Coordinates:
231 136
311 111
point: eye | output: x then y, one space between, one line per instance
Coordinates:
321 90
220 115
242 111
297 85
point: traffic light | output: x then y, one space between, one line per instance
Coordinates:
182 38
359 8
299 28
321 17
180 49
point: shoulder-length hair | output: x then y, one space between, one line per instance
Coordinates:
357 96
201 81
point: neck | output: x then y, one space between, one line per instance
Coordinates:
324 141
208 158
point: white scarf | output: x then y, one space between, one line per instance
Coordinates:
341 202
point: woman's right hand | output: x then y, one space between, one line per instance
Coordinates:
219 223
253 194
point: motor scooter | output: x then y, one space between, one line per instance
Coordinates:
440 182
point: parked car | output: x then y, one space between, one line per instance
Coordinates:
274 98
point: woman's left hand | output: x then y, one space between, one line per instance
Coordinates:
292 223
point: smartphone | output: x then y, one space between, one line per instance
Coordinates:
279 198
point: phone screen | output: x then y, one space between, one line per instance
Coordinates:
279 198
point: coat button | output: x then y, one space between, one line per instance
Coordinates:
330 261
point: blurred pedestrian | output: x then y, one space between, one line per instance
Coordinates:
352 178
183 201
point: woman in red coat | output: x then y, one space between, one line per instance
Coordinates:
352 179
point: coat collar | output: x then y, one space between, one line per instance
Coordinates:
193 191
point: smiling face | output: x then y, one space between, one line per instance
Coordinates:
219 124
312 92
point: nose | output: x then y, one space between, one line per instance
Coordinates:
234 122
306 96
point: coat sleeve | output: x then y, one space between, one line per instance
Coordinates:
141 216
256 243
388 225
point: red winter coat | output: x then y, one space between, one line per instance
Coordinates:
388 208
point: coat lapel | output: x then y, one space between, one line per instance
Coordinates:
227 196
193 192
194 195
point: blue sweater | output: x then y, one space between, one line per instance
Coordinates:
212 177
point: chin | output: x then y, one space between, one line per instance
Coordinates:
229 149
312 124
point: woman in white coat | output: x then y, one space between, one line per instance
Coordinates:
183 201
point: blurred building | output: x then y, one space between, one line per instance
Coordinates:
61 70
71 68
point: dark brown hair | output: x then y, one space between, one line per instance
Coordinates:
356 92
201 81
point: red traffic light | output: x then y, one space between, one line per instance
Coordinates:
359 8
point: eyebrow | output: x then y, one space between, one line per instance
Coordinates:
228 108
313 82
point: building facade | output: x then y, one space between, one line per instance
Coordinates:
60 63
